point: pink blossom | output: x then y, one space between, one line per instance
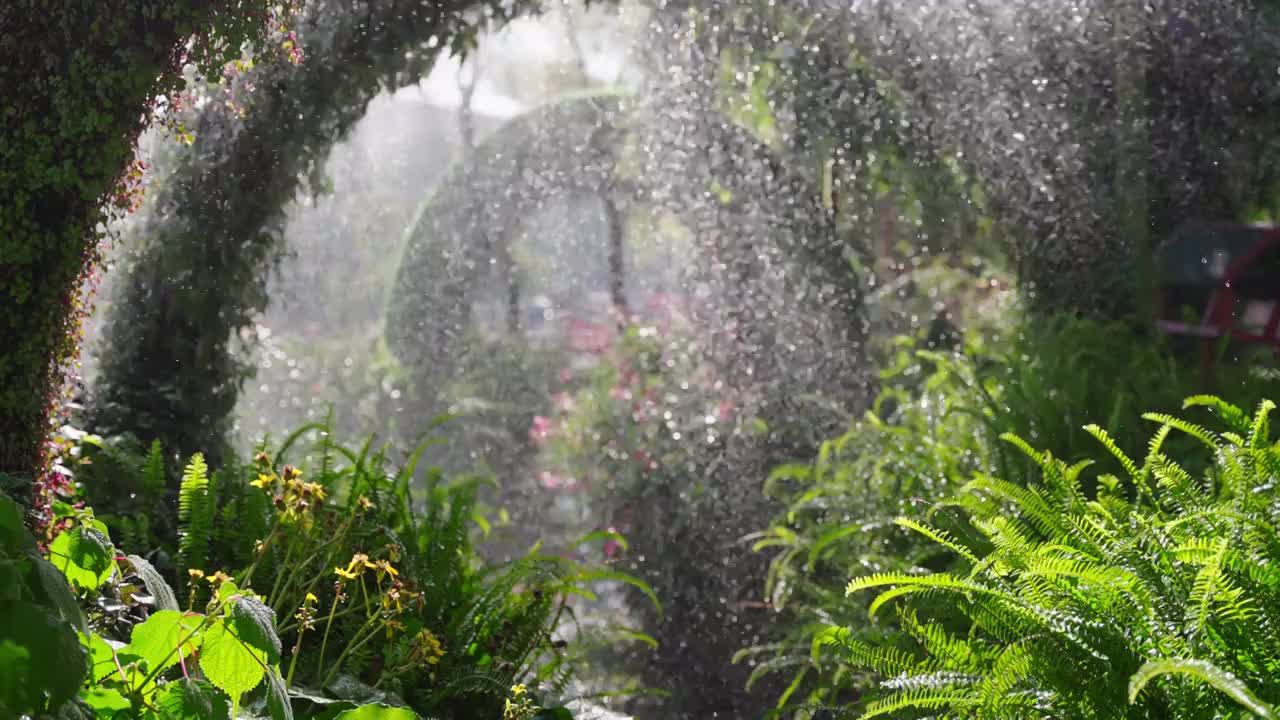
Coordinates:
564 402
566 375
612 549
726 410
540 429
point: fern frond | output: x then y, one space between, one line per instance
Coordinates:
153 475
929 698
1110 444
885 660
1231 414
1205 436
1260 432
941 537
1202 671
195 514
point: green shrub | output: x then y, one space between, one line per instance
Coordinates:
1157 599
937 423
366 572
652 442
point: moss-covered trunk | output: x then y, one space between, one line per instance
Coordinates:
76 78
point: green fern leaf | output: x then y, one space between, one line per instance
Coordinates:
1205 672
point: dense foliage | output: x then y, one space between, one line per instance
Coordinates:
351 582
938 423
80 85
1156 599
653 444
171 366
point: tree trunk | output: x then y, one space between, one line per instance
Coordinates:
71 116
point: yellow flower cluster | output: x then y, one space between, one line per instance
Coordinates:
426 648
519 706
296 497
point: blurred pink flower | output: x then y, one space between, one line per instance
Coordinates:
564 402
566 375
612 549
541 429
726 410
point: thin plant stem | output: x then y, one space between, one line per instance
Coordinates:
324 642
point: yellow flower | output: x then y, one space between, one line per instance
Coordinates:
519 706
218 578
311 598
385 567
195 573
364 502
315 489
263 481
343 573
426 649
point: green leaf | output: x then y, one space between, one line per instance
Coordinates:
15 667
230 664
255 624
159 589
56 663
192 700
102 657
378 712
105 702
156 639
1205 672
84 555
15 539
57 593
278 703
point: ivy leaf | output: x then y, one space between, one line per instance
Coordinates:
378 712
155 639
84 555
231 665
192 700
159 589
255 624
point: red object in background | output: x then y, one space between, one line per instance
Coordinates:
1221 280
587 337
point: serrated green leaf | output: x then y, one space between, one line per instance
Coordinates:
57 593
15 539
15 667
378 712
156 639
192 700
106 702
84 555
103 658
255 624
159 589
56 662
278 703
230 664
